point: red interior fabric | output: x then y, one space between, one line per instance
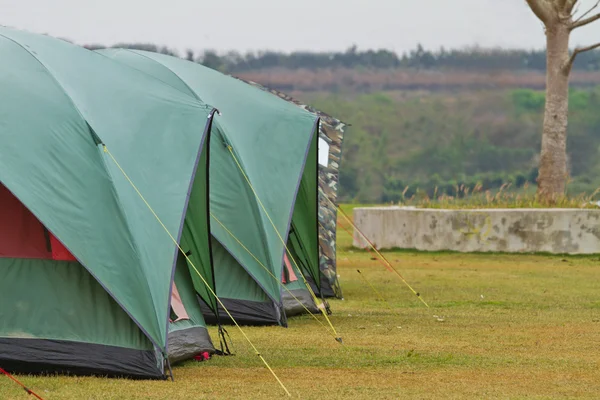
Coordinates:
22 235
177 305
290 271
59 251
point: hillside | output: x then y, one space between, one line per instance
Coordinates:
428 140
344 80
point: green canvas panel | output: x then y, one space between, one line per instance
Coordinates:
270 137
232 279
305 235
60 300
54 95
236 221
185 287
230 194
147 65
195 237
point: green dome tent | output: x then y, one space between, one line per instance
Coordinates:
273 161
331 137
87 273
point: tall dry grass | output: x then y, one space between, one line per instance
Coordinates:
504 197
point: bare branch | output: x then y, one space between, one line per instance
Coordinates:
577 51
541 9
587 12
582 21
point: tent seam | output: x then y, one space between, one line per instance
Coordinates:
194 95
168 69
205 134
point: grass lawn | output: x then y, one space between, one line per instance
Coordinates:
500 327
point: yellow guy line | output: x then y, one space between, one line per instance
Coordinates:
363 277
271 274
375 290
378 253
195 269
338 338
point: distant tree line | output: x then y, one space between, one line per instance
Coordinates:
473 59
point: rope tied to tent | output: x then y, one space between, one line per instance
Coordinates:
338 338
25 388
334 334
384 260
194 268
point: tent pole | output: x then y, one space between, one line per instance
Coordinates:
169 368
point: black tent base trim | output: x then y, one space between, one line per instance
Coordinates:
184 344
245 312
40 356
293 307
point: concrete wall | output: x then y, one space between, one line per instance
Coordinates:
574 231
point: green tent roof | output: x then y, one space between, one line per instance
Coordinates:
270 138
57 100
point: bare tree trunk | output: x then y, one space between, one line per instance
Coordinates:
553 161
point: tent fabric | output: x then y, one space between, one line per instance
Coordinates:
186 343
331 131
188 335
59 102
296 296
177 305
248 312
289 275
59 251
21 234
269 138
305 219
295 300
65 357
72 180
60 300
244 298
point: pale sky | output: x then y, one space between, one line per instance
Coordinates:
288 25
